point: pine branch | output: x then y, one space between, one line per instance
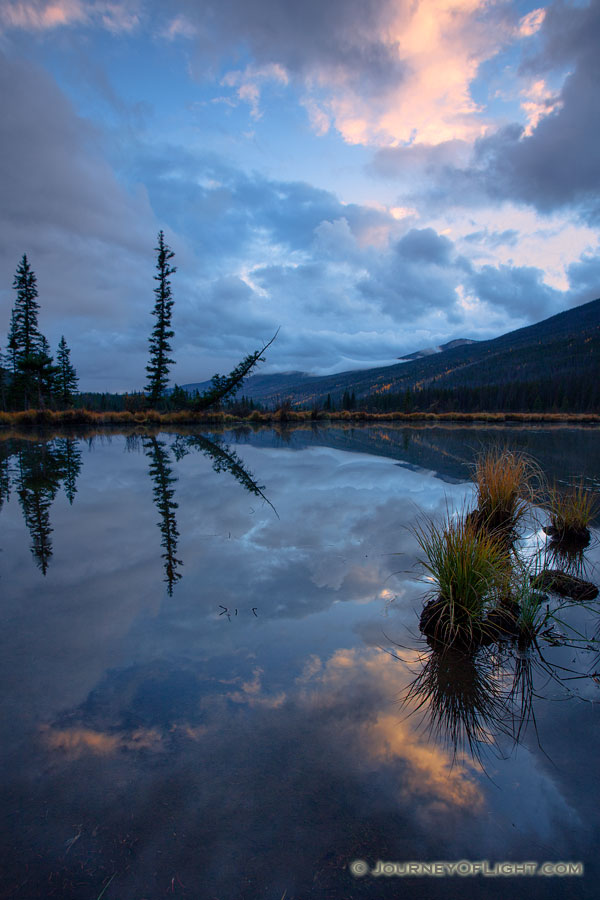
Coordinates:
224 386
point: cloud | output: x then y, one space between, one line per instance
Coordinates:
519 291
89 240
425 245
550 163
45 15
380 72
248 83
584 276
351 285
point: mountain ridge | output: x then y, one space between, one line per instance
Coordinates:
569 340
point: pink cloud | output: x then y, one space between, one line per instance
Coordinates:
43 15
440 45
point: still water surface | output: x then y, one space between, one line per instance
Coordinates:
206 642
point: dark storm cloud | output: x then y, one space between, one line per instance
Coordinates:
419 159
53 172
420 274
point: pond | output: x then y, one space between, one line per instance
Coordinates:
211 667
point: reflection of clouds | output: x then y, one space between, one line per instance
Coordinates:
237 732
389 739
330 748
75 741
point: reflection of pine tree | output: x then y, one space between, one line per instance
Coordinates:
223 460
69 458
5 454
42 467
38 481
160 472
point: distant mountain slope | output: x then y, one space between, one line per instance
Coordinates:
429 351
565 344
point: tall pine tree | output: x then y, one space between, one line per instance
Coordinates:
24 335
160 348
24 338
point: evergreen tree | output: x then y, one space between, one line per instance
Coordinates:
12 344
3 383
24 337
158 368
179 398
66 378
29 352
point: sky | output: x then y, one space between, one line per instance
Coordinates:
371 177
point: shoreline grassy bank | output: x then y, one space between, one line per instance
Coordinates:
41 418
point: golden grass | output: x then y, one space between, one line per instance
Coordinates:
572 510
504 482
36 418
468 569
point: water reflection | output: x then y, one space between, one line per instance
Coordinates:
223 459
471 700
36 470
462 697
155 749
163 492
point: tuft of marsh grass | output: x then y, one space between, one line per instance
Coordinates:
504 481
572 510
467 568
533 611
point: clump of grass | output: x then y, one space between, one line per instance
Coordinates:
467 569
571 511
532 605
504 482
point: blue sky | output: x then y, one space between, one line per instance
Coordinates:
371 176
